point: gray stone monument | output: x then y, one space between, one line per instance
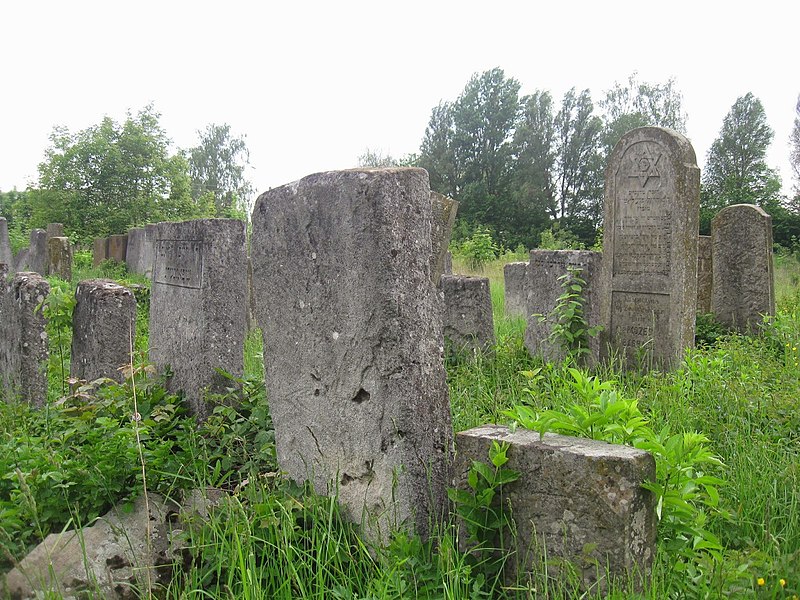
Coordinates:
6 257
515 279
23 339
198 305
55 230
443 218
544 287
705 274
34 257
133 254
104 329
744 283
576 499
652 198
99 251
352 343
468 318
59 254
118 247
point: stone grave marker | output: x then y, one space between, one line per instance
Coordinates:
468 318
652 193
59 255
55 230
705 274
118 247
744 283
104 328
34 257
99 251
198 305
515 279
23 339
443 218
353 343
6 257
544 287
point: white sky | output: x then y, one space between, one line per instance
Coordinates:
313 84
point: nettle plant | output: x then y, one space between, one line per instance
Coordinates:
685 493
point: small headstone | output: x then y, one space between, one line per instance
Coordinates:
59 252
148 250
34 257
468 318
352 343
118 247
443 218
545 271
744 284
198 306
6 258
133 255
55 230
652 200
705 274
576 500
104 328
99 251
515 279
23 339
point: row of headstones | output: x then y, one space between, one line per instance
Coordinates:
735 281
48 252
344 276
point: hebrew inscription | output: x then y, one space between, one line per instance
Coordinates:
179 263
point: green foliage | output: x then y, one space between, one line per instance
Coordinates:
479 249
555 238
57 310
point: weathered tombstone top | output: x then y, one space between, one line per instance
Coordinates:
443 219
55 230
651 216
744 285
5 246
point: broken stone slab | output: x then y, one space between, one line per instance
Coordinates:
576 500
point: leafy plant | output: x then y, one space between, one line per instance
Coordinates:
479 249
57 310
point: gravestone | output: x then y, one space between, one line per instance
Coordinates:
443 218
468 318
515 279
744 283
59 254
23 339
544 287
34 257
55 230
352 343
133 254
705 274
104 328
6 258
198 304
652 197
118 247
147 252
99 251
576 500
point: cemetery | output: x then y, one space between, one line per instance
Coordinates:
325 402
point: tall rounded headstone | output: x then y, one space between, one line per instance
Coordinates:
649 272
744 283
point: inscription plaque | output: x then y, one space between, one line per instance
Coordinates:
179 263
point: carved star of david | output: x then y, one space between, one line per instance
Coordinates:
645 165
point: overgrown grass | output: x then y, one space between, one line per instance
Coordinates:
271 539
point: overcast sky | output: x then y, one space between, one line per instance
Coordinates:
313 84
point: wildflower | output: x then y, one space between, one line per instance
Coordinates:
760 581
782 582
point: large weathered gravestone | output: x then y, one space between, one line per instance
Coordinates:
515 279
59 258
6 257
468 318
546 271
650 228
99 251
140 256
352 343
23 340
576 499
443 218
198 305
705 274
118 247
744 284
104 328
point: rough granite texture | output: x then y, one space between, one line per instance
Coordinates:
705 274
544 289
468 318
59 258
6 257
443 218
99 251
649 274
515 279
353 343
574 497
118 247
198 305
103 323
23 340
744 283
